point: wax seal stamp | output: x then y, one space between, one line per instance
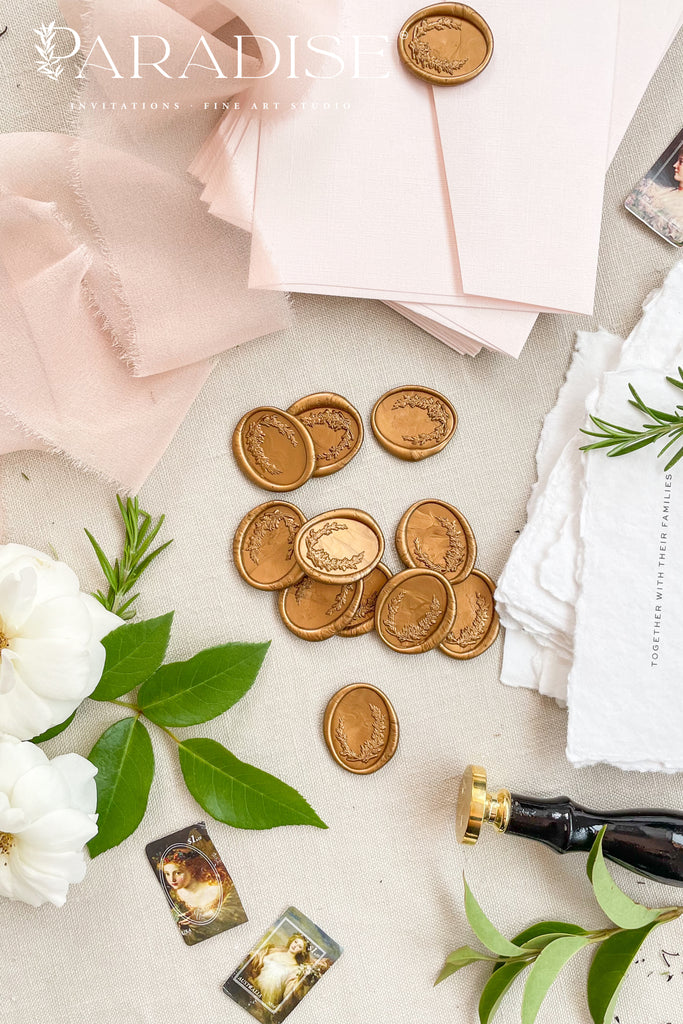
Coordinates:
336 429
339 546
435 535
364 619
476 623
415 611
413 422
263 546
445 44
361 728
273 449
315 610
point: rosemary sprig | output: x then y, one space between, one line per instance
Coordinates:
123 575
622 440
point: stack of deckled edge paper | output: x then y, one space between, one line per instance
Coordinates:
468 209
591 596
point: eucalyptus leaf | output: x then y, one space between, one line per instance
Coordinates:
619 907
237 793
544 971
610 964
188 692
485 930
460 958
125 767
496 987
134 652
55 730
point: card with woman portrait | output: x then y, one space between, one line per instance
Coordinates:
282 967
200 892
657 199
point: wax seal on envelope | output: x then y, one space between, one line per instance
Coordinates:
445 44
361 728
335 427
263 548
435 535
339 546
273 449
413 422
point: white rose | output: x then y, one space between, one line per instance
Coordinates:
47 815
50 654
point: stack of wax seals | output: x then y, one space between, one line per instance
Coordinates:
328 570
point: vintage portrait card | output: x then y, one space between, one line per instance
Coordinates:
200 892
657 199
282 967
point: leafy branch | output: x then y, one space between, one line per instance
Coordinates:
547 946
48 64
175 694
123 575
622 440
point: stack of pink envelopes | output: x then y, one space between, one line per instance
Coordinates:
469 209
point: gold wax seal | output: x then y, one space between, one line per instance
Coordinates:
445 44
413 422
274 449
339 546
476 623
336 429
361 728
415 611
316 611
263 547
364 619
434 535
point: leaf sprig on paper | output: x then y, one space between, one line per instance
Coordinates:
547 946
124 574
622 440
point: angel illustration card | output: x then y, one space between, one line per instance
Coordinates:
200 892
282 967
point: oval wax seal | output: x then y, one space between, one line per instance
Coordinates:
445 44
273 449
316 611
263 546
340 546
361 728
435 535
363 620
476 623
336 429
413 422
415 611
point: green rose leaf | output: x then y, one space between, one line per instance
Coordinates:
55 730
619 907
460 958
544 971
134 651
485 931
608 969
237 793
189 692
496 987
125 767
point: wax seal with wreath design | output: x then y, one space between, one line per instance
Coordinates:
339 546
435 535
273 449
336 429
364 619
445 44
413 422
263 547
476 623
415 611
316 611
361 728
